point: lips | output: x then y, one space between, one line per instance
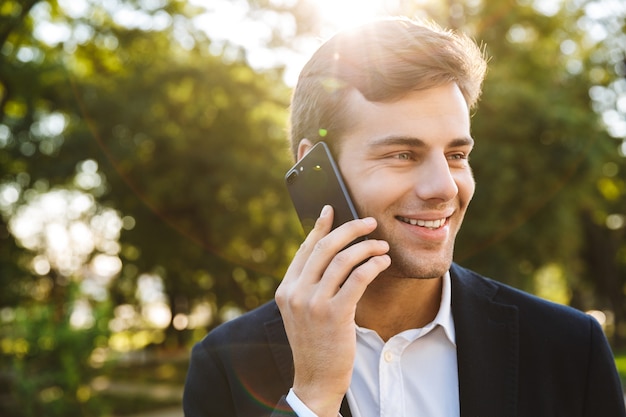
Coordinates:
429 224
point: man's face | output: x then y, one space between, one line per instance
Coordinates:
406 164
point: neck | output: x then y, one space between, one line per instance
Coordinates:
392 305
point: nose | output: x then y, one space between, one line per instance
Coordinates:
435 180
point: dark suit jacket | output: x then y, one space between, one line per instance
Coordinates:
517 355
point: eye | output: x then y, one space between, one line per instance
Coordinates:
404 156
458 156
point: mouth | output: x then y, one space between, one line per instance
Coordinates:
429 224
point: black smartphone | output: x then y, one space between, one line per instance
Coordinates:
315 181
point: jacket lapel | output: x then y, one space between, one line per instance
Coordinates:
281 351
487 347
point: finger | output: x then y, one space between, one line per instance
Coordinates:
322 226
327 248
347 260
355 285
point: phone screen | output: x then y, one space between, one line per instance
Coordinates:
315 181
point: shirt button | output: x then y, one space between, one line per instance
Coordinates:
388 356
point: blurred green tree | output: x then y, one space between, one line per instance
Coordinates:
194 150
44 358
543 153
188 149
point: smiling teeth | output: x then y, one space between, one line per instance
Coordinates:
430 224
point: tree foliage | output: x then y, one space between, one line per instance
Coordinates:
543 157
188 149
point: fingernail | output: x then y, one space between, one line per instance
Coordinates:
369 221
325 210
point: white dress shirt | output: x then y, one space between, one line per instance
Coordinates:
413 374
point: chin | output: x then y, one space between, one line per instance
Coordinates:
425 269
420 270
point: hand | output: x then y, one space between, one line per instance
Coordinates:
318 299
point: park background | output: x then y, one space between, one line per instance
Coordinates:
142 153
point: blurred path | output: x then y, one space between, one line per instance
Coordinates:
166 412
159 392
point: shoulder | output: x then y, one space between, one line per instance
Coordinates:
247 354
247 327
242 341
531 309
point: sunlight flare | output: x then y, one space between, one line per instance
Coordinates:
346 14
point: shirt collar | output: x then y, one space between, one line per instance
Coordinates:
443 317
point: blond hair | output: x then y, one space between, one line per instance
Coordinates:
383 60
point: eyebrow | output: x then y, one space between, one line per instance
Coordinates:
417 142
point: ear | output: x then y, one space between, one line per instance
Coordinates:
303 147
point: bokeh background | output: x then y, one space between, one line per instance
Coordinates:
142 154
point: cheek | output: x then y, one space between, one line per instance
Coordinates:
373 193
466 186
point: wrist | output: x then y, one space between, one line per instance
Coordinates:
320 403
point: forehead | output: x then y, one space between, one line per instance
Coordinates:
432 115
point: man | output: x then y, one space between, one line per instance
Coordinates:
390 326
